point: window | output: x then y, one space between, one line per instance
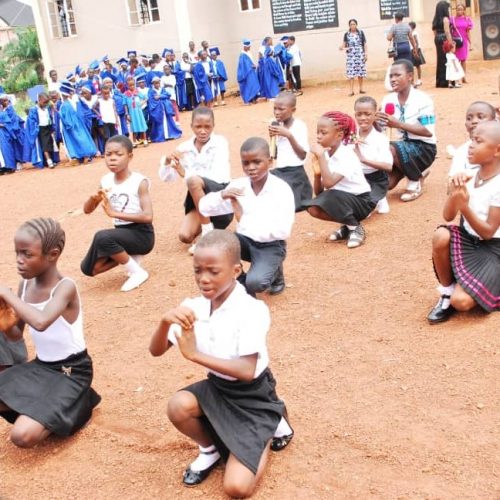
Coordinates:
61 18
246 5
142 11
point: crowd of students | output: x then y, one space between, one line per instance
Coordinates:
139 95
235 414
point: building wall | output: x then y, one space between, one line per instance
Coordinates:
102 28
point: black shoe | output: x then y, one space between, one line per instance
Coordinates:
438 314
280 443
278 284
193 477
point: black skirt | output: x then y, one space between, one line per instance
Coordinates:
345 208
297 179
476 266
46 139
414 157
135 239
219 221
240 416
58 394
379 182
12 353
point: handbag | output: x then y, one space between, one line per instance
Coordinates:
392 51
455 34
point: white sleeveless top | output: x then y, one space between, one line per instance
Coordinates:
61 339
123 197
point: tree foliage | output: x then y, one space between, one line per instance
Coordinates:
21 64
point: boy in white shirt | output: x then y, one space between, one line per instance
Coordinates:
265 210
295 64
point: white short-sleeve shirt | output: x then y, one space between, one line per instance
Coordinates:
346 163
375 147
286 155
211 162
237 328
481 198
419 108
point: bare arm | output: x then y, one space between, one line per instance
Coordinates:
415 128
16 332
41 320
275 130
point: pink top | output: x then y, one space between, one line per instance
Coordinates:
463 24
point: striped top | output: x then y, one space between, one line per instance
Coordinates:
400 32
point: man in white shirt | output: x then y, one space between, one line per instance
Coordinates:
53 83
264 207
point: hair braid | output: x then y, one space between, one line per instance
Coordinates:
49 231
343 122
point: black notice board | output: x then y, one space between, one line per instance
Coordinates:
301 15
389 7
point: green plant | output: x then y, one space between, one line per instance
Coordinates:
22 65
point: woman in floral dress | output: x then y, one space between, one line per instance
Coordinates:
355 46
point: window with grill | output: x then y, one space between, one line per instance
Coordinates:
246 5
142 11
61 18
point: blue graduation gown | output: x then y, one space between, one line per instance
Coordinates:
270 77
222 75
161 116
77 139
202 83
8 140
113 74
247 79
119 99
17 132
32 151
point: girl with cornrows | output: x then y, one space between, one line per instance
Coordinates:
51 394
342 192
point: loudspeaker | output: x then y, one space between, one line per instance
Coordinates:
490 28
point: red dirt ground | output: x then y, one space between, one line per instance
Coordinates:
383 405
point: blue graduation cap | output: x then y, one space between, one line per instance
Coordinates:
104 58
155 79
140 78
122 61
214 50
66 88
167 52
132 53
94 64
70 76
246 42
145 56
284 38
78 70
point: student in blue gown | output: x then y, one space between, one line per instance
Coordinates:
220 76
135 116
119 99
123 71
11 136
39 134
247 75
282 58
109 71
54 107
161 114
270 76
202 76
77 139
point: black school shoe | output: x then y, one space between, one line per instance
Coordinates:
438 314
194 477
280 443
278 284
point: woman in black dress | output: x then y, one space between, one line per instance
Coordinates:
441 28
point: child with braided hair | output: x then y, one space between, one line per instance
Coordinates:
51 394
342 192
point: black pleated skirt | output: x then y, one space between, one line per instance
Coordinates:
58 394
379 183
12 353
414 157
476 266
135 239
219 221
297 179
240 416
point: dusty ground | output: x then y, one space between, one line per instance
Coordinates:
383 405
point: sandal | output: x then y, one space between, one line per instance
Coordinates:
411 195
342 233
351 94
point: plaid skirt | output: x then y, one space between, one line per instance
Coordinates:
414 157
